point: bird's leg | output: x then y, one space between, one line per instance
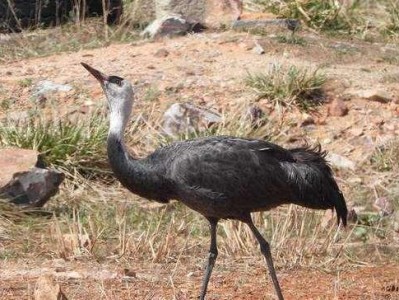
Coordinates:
213 253
265 249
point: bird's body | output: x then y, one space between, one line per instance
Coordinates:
225 177
220 177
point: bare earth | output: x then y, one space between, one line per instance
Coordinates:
209 69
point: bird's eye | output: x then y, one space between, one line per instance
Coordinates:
116 80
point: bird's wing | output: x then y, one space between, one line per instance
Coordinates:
231 168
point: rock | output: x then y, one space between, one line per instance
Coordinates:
143 12
242 25
384 206
352 216
337 108
373 95
129 273
340 162
247 45
222 12
47 289
307 120
73 275
73 243
34 187
170 25
258 49
357 131
182 118
22 182
46 86
14 160
211 13
161 53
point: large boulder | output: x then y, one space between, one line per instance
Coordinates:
22 182
208 13
171 25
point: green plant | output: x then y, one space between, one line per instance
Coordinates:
291 39
73 147
392 8
26 82
321 15
286 86
5 104
152 93
386 158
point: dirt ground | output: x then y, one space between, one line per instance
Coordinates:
209 69
229 281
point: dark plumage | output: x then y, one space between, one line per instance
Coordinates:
220 177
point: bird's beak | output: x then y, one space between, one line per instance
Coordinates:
97 74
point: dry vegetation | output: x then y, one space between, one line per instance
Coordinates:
94 222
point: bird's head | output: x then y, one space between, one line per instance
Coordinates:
119 92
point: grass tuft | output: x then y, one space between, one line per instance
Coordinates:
386 158
392 7
75 148
289 86
329 15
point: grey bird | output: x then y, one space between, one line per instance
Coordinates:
221 177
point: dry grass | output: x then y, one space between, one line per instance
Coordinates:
69 37
99 220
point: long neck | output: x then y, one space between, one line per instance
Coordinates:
124 166
134 174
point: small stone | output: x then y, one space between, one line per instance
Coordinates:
129 273
338 108
46 86
47 289
182 118
74 242
355 180
352 216
389 127
161 53
73 275
384 206
247 45
190 274
340 161
356 131
307 120
60 269
374 95
258 49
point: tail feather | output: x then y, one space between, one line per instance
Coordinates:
312 179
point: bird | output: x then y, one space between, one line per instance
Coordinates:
220 177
